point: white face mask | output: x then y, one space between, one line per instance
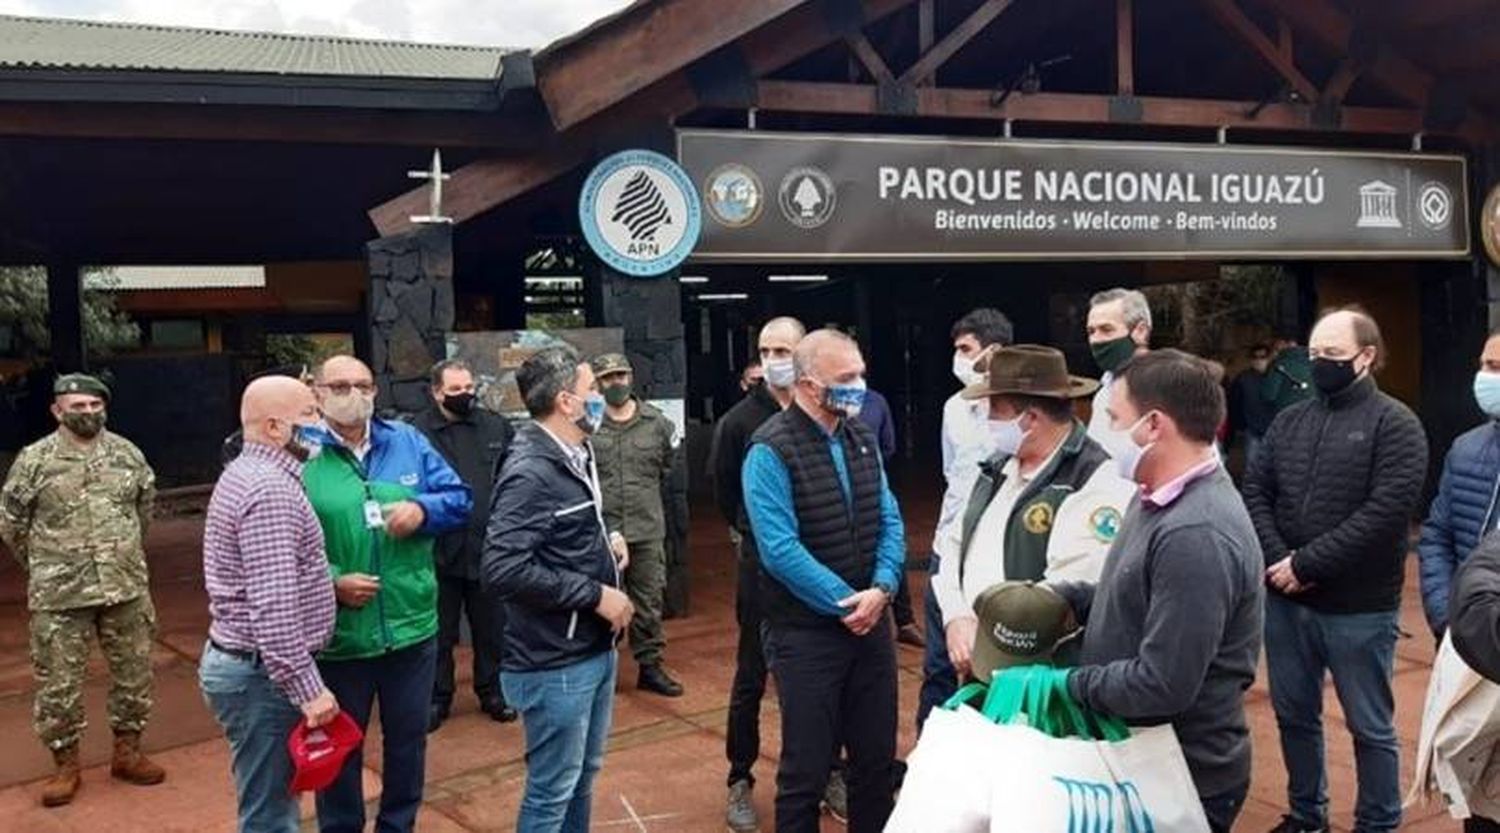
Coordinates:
351 409
1007 435
1127 454
779 373
963 370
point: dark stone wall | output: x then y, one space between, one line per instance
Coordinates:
411 312
649 310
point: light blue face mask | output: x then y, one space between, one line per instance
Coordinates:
1487 393
847 399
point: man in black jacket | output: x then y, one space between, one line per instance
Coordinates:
778 338
548 557
473 441
1332 493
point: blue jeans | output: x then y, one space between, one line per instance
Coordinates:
256 718
402 682
1359 650
939 678
566 713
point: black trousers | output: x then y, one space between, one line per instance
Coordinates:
456 597
1475 824
742 742
835 689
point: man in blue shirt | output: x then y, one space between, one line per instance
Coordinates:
831 545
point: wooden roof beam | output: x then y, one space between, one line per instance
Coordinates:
1072 108
480 186
585 76
955 40
1332 29
1271 53
869 58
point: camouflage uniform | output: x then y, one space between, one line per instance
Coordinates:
634 458
76 520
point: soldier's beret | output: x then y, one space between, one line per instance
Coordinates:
80 383
611 363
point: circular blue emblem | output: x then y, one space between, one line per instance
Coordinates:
640 213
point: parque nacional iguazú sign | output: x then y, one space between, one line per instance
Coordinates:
802 196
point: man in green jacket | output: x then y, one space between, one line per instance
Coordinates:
634 450
382 493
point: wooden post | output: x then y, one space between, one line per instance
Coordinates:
1124 48
65 316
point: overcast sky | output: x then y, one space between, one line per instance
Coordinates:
521 23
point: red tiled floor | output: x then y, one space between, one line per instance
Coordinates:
665 767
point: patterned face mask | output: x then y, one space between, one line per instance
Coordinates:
84 425
846 399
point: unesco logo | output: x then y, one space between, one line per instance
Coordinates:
640 213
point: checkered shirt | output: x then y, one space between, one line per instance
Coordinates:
265 569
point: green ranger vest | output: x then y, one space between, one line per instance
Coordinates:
1029 527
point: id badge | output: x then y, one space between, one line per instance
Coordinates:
374 518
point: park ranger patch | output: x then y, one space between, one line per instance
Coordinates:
1104 523
1038 518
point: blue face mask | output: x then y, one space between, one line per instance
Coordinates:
847 399
1487 393
593 413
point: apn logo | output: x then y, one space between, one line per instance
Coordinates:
1093 807
641 209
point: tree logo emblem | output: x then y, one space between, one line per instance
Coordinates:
807 197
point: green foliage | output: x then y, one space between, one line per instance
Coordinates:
23 305
306 349
1202 316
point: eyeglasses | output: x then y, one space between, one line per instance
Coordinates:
343 388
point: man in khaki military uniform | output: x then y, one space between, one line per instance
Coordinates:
74 511
634 450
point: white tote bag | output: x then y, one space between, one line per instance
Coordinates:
949 775
1137 785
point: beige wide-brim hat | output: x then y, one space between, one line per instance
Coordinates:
1027 370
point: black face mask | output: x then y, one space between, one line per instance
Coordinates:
1333 375
459 404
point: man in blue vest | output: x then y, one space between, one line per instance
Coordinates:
831 545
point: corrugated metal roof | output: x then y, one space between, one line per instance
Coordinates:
56 43
128 278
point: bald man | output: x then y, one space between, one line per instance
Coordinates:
383 494
777 339
831 546
1331 493
270 601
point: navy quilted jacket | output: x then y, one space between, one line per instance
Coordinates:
1462 512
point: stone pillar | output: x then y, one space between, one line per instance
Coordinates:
649 310
411 312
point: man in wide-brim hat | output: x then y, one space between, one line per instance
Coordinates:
1046 505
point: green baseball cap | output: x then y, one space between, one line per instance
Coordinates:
611 363
1020 623
80 383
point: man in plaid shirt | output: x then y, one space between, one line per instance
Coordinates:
271 602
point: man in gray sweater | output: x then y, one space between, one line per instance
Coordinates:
1172 630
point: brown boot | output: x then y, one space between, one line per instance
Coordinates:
64 783
131 765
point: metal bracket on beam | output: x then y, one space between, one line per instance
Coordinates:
1005 130
1222 135
1125 108
1327 114
895 98
1416 142
844 17
723 78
